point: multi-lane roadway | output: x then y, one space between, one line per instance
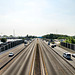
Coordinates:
36 57
55 65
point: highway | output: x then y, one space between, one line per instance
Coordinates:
4 57
55 65
21 66
60 51
36 59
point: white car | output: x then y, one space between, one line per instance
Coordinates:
73 55
67 55
11 54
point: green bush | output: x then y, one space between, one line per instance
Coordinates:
70 40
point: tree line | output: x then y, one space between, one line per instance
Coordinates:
55 36
68 39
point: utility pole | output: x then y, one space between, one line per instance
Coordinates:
56 31
14 32
1 34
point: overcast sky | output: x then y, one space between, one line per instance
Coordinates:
37 17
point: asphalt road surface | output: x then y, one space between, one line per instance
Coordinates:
55 65
52 63
21 66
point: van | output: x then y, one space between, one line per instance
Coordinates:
67 55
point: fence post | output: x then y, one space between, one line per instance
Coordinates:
74 46
0 49
67 45
4 48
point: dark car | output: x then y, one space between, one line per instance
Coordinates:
48 43
52 46
73 55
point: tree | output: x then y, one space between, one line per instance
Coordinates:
3 40
11 36
72 41
5 36
55 36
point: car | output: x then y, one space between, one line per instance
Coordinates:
52 46
48 43
11 54
67 55
73 55
30 41
25 44
25 41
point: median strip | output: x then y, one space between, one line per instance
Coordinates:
37 67
45 69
